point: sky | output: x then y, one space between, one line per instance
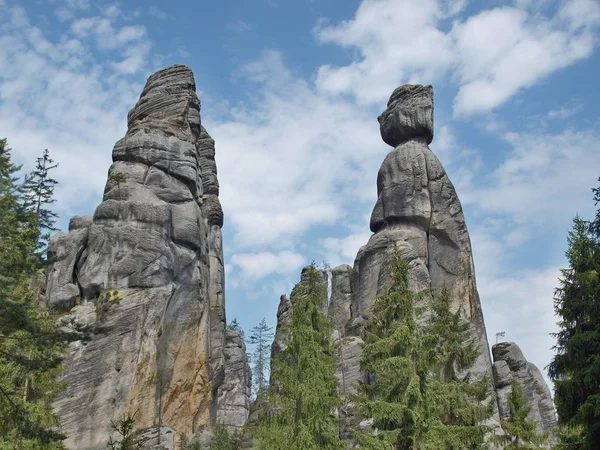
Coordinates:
291 91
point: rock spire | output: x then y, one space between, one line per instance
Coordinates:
417 211
144 279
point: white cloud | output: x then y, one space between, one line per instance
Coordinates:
491 70
490 55
343 250
158 13
398 41
546 177
521 304
285 160
566 111
255 266
80 105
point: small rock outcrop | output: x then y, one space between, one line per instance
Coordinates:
509 364
144 278
235 391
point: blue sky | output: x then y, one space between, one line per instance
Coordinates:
291 90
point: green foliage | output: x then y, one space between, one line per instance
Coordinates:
571 438
261 337
223 440
30 344
118 178
575 369
105 300
127 432
520 434
234 325
38 195
298 410
413 395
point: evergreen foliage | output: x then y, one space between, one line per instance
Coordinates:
38 195
413 395
520 434
234 325
261 336
223 440
298 414
30 344
575 369
125 428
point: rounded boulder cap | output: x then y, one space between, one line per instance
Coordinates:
409 115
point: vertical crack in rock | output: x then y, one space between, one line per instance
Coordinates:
145 278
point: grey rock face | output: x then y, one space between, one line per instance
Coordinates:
509 364
409 115
341 296
234 393
148 270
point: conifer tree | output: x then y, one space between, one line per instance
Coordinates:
234 325
299 410
520 434
261 336
413 395
38 195
30 344
575 369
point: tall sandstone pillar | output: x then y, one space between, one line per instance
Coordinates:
143 279
417 211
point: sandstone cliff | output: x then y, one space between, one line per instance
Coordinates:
144 280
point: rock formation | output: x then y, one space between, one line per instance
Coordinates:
418 211
144 278
509 364
235 391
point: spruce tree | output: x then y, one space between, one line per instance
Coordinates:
261 336
520 434
38 195
298 414
413 395
575 369
30 344
234 325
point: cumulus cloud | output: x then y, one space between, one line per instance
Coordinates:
407 41
255 266
545 177
286 158
343 250
80 104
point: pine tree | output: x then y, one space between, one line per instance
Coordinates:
520 434
261 337
38 195
413 395
234 325
224 440
128 435
299 410
30 344
575 369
